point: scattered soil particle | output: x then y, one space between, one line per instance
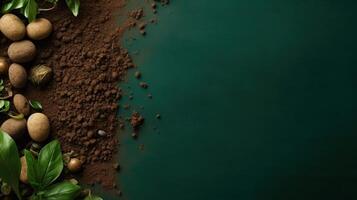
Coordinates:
137 14
134 135
137 74
136 120
143 85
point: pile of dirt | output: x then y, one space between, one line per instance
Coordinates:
82 99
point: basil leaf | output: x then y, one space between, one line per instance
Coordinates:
73 5
10 166
14 4
32 173
5 107
48 167
18 4
8 6
61 191
2 103
90 197
50 163
15 115
35 105
31 10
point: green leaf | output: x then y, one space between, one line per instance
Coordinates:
35 105
5 107
14 4
31 9
47 168
61 191
10 166
8 6
90 197
15 115
1 88
31 169
73 5
1 82
2 103
19 4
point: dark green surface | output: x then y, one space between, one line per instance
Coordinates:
258 100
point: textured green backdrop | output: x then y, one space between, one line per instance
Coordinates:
258 99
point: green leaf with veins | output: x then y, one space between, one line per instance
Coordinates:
10 166
73 5
2 103
31 169
30 10
16 115
60 191
12 5
6 106
47 168
35 105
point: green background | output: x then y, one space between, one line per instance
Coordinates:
258 101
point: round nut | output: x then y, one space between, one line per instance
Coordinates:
14 127
4 66
21 104
22 52
39 29
38 127
12 27
74 165
17 75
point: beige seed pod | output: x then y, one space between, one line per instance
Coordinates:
39 29
38 126
40 75
12 27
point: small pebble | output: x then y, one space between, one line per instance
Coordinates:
143 85
116 166
137 74
158 116
142 32
102 133
153 5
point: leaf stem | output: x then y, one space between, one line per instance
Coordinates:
47 9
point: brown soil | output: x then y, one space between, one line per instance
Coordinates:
82 99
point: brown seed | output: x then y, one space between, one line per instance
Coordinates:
74 165
4 65
21 104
